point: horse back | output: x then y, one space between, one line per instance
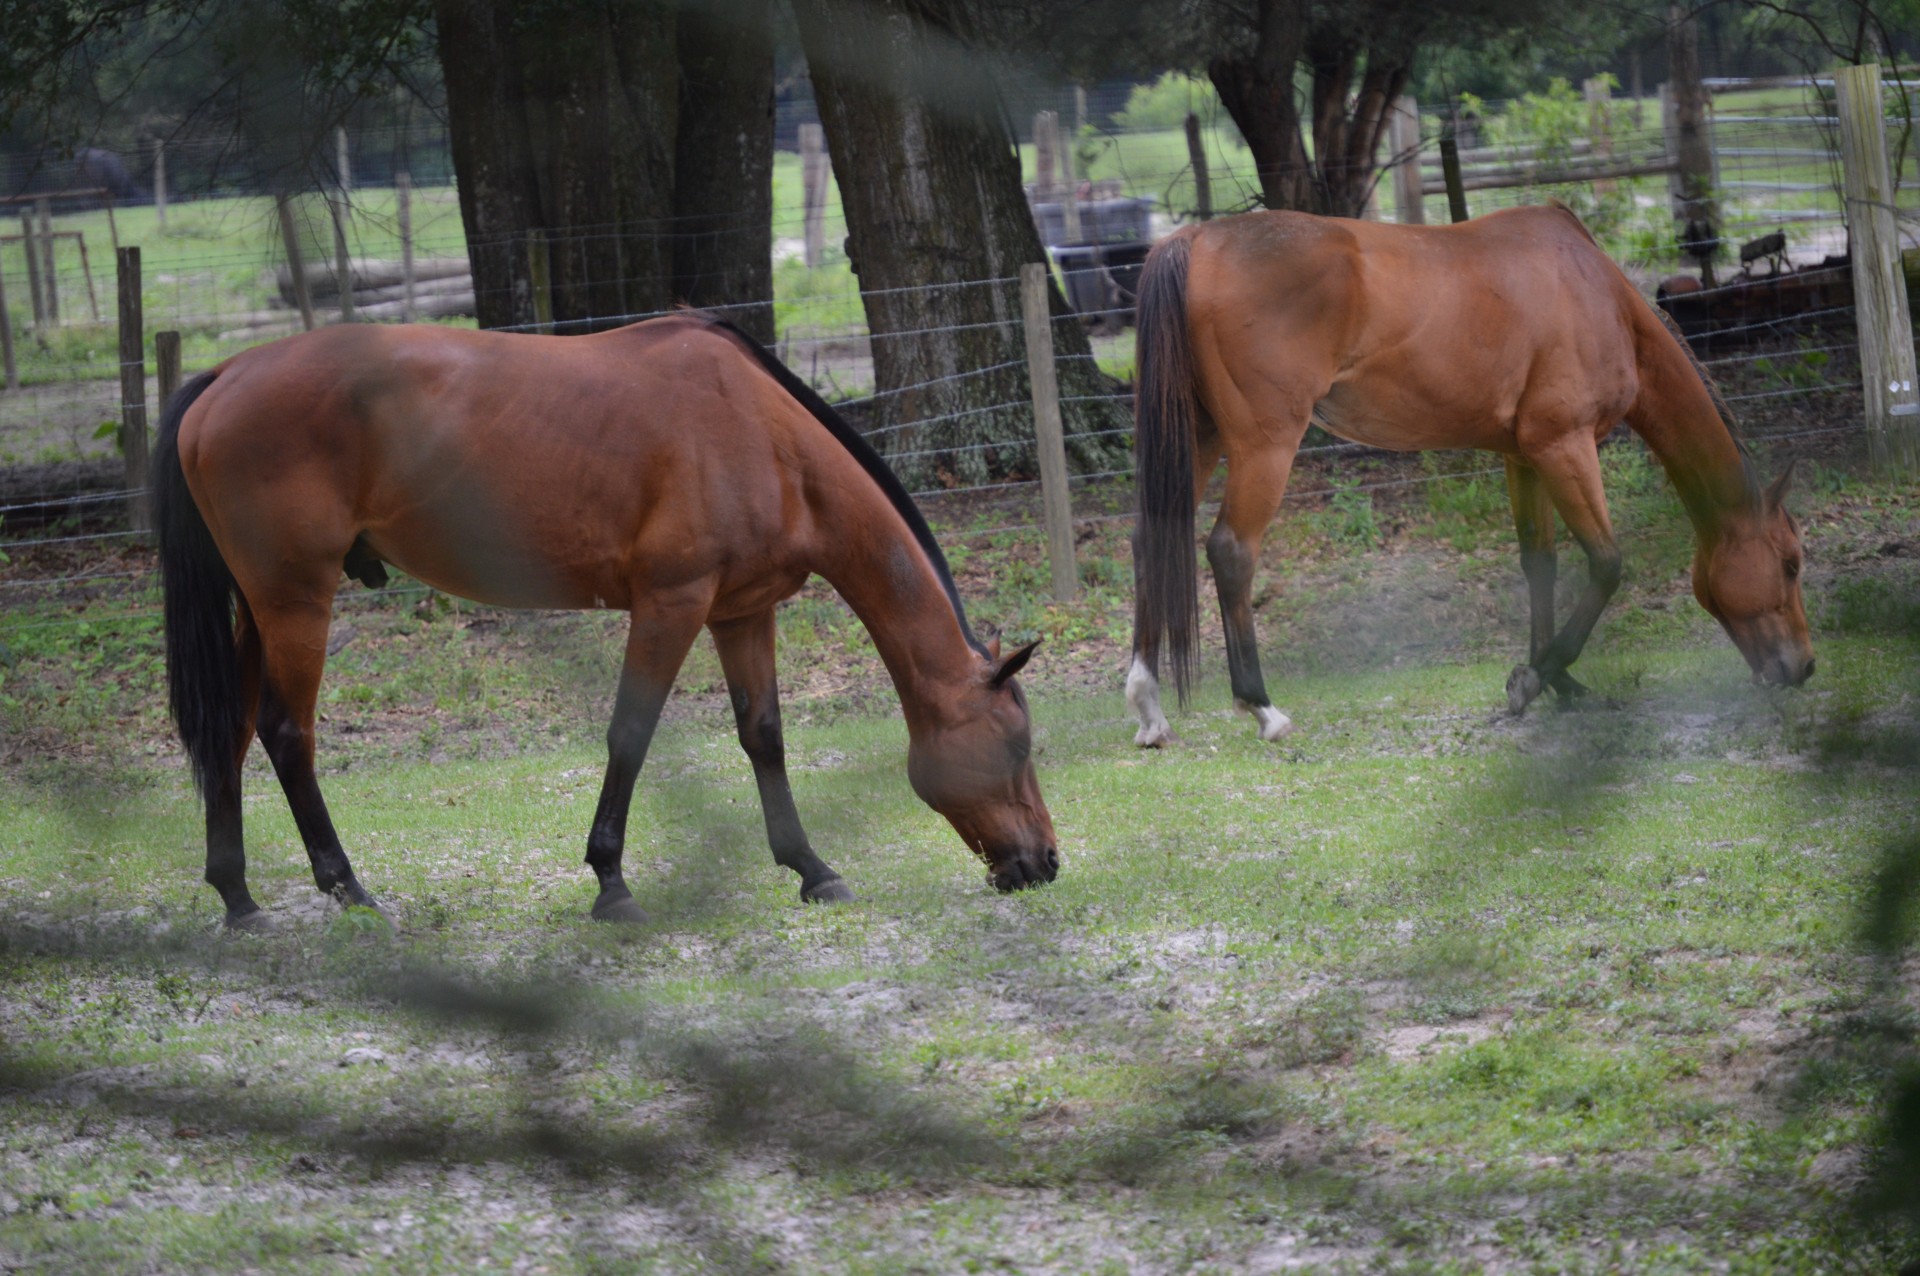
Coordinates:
513 469
1413 337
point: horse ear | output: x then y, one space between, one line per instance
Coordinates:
1015 663
1777 490
993 647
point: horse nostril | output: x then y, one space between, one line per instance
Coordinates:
1053 863
1808 671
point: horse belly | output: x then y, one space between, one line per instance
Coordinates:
1402 422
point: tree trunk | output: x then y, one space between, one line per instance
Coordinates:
1257 91
930 183
566 118
723 164
492 154
1347 125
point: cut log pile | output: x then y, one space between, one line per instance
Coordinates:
442 287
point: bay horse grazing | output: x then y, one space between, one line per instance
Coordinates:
674 470
1513 334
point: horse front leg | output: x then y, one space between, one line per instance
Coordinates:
746 650
1533 523
1571 479
661 632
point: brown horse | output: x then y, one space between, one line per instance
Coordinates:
673 470
1514 334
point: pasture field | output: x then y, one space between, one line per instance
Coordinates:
1422 988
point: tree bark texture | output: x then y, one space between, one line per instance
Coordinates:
1354 79
566 119
722 195
930 183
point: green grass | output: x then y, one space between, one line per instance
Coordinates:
1421 988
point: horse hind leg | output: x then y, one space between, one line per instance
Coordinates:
1255 485
226 841
293 638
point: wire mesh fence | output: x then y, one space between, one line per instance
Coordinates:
218 275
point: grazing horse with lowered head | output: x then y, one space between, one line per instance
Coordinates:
1513 334
674 470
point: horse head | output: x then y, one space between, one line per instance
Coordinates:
1748 578
975 766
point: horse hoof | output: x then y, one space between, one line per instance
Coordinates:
256 922
832 891
1523 686
1153 737
1567 687
620 910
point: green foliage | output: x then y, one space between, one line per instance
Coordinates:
1545 125
1349 516
1799 369
1166 103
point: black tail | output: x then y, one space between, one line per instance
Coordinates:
1166 412
203 670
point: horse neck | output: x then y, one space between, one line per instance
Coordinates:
1677 416
871 557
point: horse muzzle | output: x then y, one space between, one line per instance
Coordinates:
1025 868
1783 670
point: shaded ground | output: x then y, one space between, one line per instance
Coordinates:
1425 988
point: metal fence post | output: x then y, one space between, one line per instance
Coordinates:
133 387
1879 287
1048 435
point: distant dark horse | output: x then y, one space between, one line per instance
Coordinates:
1512 333
673 470
107 171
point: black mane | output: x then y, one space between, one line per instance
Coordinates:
870 461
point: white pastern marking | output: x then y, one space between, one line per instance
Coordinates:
1143 697
1273 723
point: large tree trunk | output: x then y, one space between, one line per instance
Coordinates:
930 183
723 195
1257 90
492 154
1347 125
566 120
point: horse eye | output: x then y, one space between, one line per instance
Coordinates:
1793 569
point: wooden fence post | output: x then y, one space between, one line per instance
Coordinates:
1879 286
133 387
1069 184
1450 170
342 259
296 264
52 280
1409 204
160 184
86 272
1048 436
540 278
6 338
166 365
813 191
1046 146
1197 156
403 206
342 170
32 252
1599 95
1684 111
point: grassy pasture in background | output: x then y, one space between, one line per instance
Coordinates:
1421 988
